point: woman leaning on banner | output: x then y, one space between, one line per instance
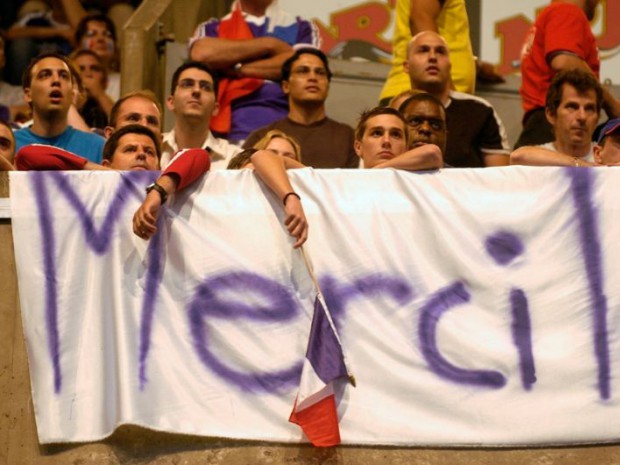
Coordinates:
270 168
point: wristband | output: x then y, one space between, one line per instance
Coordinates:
162 192
286 196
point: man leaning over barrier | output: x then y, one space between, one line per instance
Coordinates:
132 147
269 167
573 106
382 140
606 152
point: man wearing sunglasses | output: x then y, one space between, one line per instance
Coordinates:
476 135
383 140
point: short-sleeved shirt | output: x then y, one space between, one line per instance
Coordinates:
559 28
81 143
474 130
324 144
268 103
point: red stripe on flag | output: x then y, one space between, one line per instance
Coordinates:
319 422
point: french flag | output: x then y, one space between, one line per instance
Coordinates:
315 407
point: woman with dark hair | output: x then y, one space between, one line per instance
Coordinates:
96 32
96 109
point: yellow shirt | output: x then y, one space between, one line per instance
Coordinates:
454 27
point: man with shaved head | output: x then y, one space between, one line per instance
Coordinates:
476 135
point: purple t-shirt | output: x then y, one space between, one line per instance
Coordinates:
268 103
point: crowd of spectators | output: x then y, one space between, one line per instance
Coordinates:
85 29
252 95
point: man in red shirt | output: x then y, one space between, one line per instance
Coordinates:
560 39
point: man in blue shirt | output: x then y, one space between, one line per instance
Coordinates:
48 89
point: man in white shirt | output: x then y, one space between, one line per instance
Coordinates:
193 101
606 151
573 106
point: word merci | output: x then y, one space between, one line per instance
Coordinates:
209 304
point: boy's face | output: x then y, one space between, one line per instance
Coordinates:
383 139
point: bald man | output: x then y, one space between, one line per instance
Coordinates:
476 134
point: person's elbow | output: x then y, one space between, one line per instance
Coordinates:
519 157
433 157
566 61
201 51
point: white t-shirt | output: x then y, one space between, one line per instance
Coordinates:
551 146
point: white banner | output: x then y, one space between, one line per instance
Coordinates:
476 307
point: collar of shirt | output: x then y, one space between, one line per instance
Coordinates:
221 150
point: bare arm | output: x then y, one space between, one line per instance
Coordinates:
186 167
225 53
145 219
97 89
423 16
611 104
291 164
486 72
424 157
75 119
92 166
564 61
271 169
6 165
266 68
538 156
74 12
39 32
496 159
106 102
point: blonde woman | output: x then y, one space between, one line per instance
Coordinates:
269 167
280 143
275 141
